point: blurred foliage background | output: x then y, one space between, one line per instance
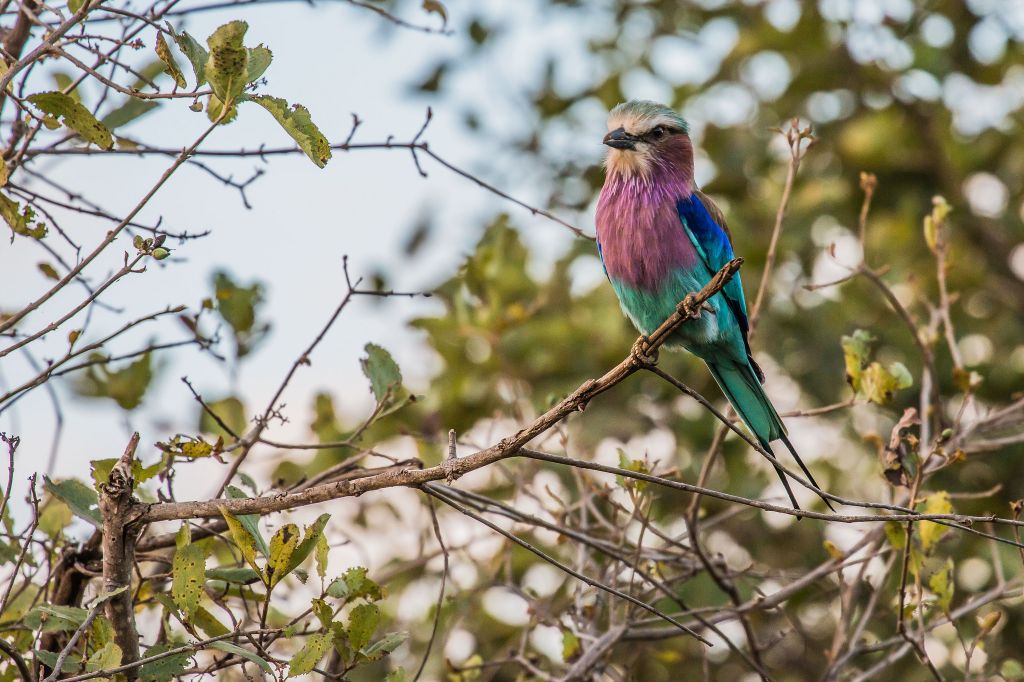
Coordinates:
926 96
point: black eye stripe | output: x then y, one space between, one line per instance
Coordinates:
660 131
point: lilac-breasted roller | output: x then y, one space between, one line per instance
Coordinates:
660 239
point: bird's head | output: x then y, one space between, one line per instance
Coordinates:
643 134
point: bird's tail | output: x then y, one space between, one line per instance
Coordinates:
741 386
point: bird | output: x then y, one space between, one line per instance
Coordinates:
659 238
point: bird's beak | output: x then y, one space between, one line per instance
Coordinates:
620 139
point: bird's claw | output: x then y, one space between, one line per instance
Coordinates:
689 308
642 351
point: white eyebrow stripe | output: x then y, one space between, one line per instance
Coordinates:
637 124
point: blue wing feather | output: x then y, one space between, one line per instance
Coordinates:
715 250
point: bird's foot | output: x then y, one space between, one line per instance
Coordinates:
688 306
644 354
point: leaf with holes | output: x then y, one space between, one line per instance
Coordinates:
227 67
163 669
188 571
306 658
354 584
297 122
74 116
259 60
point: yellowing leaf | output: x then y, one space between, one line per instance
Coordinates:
227 67
314 532
74 116
48 271
243 539
297 122
322 550
856 349
931 532
20 219
188 572
205 621
108 656
282 547
879 384
941 584
570 646
310 654
163 51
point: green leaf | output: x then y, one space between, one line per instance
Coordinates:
230 648
323 612
48 618
64 81
164 669
195 53
385 645
48 271
82 499
238 305
382 371
231 411
19 219
856 349
243 539
109 656
205 621
101 469
249 521
188 572
941 584
54 517
397 675
363 621
237 576
75 5
227 67
125 386
314 532
296 122
899 372
74 116
163 51
131 109
71 663
282 547
310 654
931 532
354 584
628 464
259 60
